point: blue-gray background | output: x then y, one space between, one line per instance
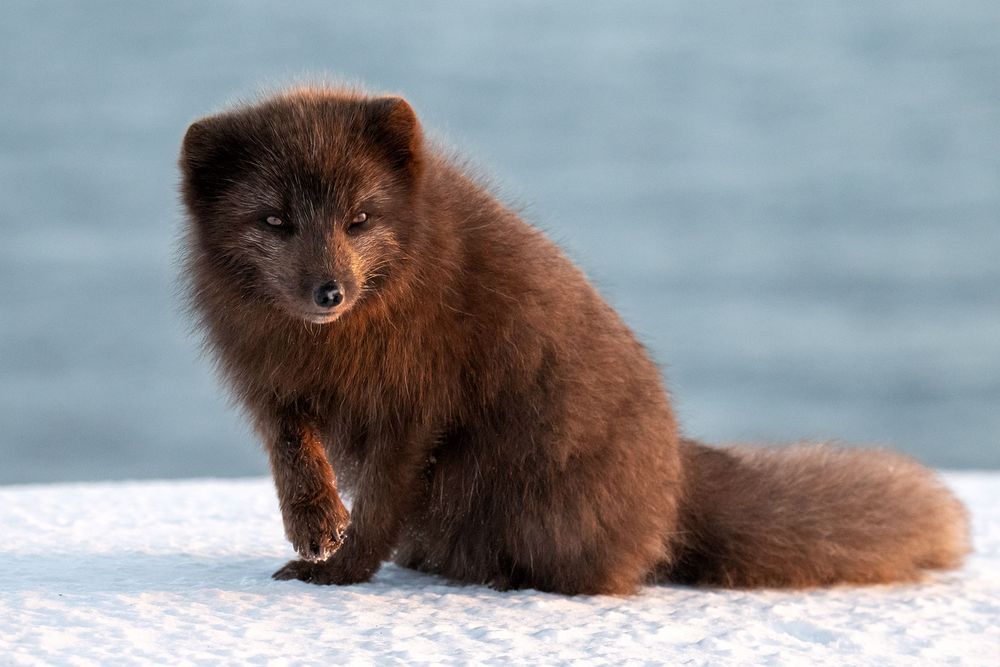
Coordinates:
796 204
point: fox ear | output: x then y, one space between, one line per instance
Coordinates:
210 153
392 126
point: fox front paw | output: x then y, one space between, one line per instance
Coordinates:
336 571
316 528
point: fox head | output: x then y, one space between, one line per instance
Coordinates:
305 200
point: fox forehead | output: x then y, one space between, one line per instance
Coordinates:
318 165
324 131
287 179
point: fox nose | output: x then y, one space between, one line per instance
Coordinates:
328 295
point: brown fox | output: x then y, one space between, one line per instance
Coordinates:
372 306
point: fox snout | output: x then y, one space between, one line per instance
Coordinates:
328 295
324 298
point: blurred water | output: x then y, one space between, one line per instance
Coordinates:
796 204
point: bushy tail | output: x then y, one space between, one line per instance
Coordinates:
811 515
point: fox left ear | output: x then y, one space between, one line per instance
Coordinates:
393 127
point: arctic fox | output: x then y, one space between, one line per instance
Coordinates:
373 307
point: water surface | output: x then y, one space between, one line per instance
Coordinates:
796 205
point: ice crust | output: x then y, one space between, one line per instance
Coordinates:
179 573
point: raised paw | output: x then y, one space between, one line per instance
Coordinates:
316 527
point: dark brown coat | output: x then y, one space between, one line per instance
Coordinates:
493 418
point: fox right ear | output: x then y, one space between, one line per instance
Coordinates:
210 153
197 147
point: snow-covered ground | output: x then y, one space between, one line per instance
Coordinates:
179 573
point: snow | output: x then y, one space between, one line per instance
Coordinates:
179 573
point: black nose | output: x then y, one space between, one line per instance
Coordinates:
328 295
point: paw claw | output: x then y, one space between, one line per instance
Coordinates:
316 531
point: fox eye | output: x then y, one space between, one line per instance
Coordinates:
274 221
358 221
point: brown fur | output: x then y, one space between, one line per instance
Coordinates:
494 419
